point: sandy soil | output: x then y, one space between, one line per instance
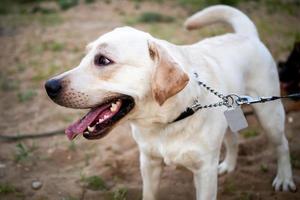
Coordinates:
60 165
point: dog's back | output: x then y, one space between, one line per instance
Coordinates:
259 78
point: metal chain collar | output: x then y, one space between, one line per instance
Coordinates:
227 101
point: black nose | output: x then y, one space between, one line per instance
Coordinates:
53 87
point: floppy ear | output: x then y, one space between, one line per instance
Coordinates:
168 78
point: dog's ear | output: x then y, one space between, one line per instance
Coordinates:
168 78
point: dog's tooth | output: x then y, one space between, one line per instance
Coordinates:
86 132
113 107
91 129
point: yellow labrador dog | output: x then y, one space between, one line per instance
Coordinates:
129 75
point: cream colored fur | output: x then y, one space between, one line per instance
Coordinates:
236 62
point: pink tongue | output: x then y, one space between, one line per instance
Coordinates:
78 127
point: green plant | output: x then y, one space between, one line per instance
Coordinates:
87 159
89 1
120 194
295 161
50 19
273 6
66 4
70 198
226 2
8 84
43 74
16 6
94 182
20 67
54 46
229 187
6 188
264 168
72 146
246 196
46 46
28 1
27 95
249 133
5 7
194 5
43 10
297 36
153 17
23 152
107 1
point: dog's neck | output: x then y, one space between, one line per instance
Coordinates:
175 105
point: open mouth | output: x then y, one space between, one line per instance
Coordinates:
100 120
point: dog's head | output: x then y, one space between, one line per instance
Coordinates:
120 70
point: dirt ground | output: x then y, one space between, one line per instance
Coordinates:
36 46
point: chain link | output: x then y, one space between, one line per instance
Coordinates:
224 102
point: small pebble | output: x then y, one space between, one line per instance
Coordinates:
290 119
36 185
50 151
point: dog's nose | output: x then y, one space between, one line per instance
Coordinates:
53 87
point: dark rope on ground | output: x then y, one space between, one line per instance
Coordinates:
12 138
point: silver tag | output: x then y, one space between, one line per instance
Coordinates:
236 119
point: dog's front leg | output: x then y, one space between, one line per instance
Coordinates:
151 170
205 180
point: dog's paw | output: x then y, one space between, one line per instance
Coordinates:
284 184
225 167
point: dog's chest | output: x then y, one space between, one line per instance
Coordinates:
173 150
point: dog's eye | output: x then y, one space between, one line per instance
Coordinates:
101 60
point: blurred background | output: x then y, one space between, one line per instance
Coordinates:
42 38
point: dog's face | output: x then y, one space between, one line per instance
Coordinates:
120 70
